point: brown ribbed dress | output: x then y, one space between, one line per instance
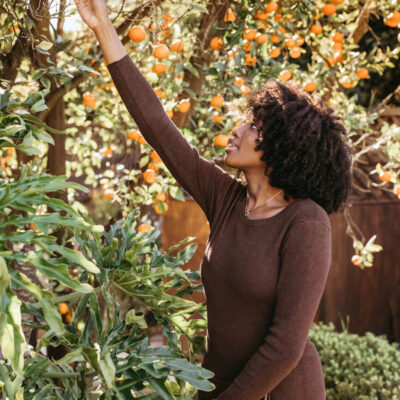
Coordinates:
263 278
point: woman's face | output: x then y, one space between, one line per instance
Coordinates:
242 155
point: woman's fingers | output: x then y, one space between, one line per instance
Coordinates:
93 12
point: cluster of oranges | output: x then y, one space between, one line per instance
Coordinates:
66 313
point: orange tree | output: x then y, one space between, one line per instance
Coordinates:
202 59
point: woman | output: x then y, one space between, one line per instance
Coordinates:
269 251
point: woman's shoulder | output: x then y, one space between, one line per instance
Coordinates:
309 210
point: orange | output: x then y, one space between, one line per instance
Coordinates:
356 260
299 39
362 73
109 194
282 29
133 134
317 16
249 60
239 81
168 18
107 152
160 94
137 33
249 33
161 197
347 84
216 43
144 228
221 140
261 16
385 176
217 118
217 101
141 139
275 38
184 105
229 16
329 9
68 318
245 90
310 86
161 51
289 43
152 165
149 175
337 37
170 113
316 29
337 2
261 37
393 19
337 46
159 68
285 75
158 209
89 100
274 52
63 308
177 45
271 6
247 46
10 150
155 157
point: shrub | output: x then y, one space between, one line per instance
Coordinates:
357 367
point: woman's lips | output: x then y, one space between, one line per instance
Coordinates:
231 148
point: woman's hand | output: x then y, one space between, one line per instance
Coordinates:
93 12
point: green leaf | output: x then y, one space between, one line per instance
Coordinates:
75 257
57 270
159 387
4 277
42 136
107 368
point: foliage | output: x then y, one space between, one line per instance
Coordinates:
357 367
108 355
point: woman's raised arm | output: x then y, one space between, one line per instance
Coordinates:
208 184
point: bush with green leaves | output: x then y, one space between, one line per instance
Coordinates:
357 367
108 354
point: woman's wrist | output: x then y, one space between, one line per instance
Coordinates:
111 45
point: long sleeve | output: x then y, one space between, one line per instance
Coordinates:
203 179
305 261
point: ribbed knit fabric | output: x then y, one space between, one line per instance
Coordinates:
263 278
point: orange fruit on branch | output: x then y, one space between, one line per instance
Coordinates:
177 45
63 308
144 228
221 140
184 105
229 15
362 73
137 33
329 9
161 51
155 157
159 68
109 194
216 43
217 101
149 175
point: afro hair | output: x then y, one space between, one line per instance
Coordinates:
303 142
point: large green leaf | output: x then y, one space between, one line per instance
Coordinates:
57 270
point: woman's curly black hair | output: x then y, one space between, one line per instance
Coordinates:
302 141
